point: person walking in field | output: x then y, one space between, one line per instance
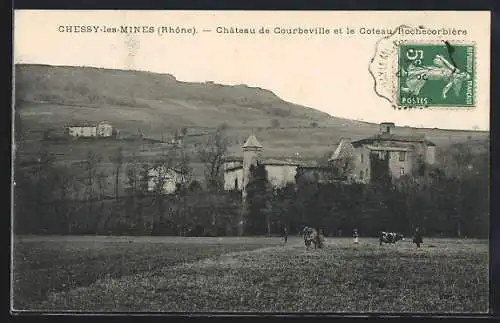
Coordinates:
417 239
320 237
285 233
355 235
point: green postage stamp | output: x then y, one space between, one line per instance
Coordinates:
436 75
415 73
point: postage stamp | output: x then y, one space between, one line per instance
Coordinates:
425 73
437 75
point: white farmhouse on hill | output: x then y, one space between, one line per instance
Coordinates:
102 129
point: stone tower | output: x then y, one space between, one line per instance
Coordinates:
386 128
252 153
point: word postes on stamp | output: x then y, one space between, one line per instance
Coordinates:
413 73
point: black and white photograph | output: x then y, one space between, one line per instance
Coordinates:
251 162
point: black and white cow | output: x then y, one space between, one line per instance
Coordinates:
311 236
390 237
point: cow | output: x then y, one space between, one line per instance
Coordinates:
312 236
390 237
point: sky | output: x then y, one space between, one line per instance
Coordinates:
328 72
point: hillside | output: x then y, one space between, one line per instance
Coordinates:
49 97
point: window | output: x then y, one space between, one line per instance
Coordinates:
235 183
361 174
361 158
402 155
401 171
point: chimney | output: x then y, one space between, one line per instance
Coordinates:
386 128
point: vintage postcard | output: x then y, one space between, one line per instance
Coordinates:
263 161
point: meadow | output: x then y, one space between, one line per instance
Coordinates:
169 274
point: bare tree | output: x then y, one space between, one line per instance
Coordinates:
342 168
90 170
161 173
184 169
132 172
67 185
212 154
102 184
184 177
117 160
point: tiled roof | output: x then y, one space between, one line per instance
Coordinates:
233 159
388 148
393 137
83 124
88 124
319 168
277 162
230 169
252 142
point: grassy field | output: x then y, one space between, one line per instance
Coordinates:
248 274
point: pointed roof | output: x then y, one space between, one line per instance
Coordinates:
344 150
252 142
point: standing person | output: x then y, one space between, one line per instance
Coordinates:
320 238
285 233
417 239
355 235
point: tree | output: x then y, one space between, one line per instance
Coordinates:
89 165
66 193
195 186
34 189
212 154
132 173
183 167
90 169
185 173
342 168
258 200
102 184
133 186
465 170
117 160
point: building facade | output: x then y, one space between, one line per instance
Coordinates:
384 154
102 129
279 172
237 169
